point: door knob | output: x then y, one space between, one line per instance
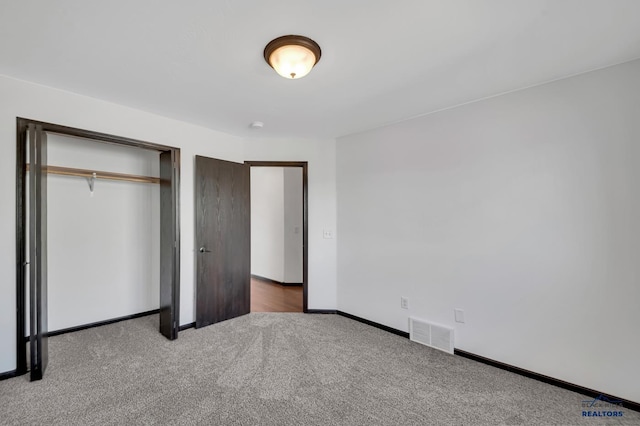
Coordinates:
203 249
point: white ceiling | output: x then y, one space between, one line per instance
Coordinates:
383 61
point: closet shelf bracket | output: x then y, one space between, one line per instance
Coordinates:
91 181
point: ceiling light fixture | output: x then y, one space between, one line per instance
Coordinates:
292 56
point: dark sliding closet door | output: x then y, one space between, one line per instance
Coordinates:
37 149
169 244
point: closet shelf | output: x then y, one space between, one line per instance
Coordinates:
68 171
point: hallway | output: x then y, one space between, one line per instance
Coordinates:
270 297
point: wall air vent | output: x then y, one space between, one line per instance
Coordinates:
433 335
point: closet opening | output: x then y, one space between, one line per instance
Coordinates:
97 235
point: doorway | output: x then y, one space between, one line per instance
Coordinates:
32 168
279 236
223 237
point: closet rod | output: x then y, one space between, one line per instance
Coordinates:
68 171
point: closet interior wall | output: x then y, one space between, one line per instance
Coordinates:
103 245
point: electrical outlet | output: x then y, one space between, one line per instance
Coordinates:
459 314
327 234
404 302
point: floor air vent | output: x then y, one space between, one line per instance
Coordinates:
432 335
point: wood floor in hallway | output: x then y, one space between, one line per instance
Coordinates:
270 297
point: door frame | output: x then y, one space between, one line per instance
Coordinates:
169 238
305 220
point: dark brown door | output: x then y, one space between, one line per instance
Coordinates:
169 244
223 246
38 344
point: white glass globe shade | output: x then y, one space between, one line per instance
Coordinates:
292 61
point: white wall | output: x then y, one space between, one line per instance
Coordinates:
103 249
267 222
321 156
22 99
293 236
522 210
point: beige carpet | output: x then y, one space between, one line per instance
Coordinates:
275 369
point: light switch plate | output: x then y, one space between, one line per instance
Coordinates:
459 313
